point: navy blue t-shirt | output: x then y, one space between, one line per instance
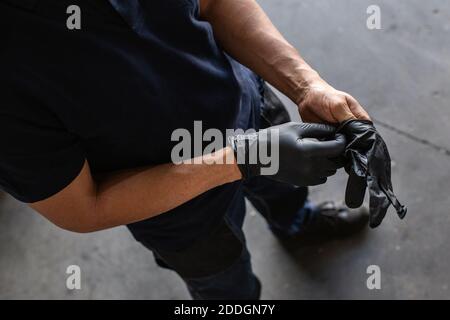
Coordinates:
113 93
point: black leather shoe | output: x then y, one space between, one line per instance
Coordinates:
331 221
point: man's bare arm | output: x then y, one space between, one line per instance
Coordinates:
247 34
130 196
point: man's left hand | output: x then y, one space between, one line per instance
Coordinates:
321 103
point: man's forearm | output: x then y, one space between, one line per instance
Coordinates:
139 194
134 195
247 34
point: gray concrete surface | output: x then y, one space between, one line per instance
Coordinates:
402 75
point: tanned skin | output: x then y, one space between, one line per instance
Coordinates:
246 33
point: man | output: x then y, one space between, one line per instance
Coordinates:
87 118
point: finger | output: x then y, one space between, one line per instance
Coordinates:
341 110
340 161
324 165
355 191
309 116
317 182
316 130
356 108
378 207
329 173
325 168
328 149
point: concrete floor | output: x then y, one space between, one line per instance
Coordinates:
402 75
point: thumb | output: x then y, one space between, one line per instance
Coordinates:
356 109
329 149
355 190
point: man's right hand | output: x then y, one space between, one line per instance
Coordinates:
305 152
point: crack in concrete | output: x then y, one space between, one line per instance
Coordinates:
412 137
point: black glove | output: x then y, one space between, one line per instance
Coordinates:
304 152
369 164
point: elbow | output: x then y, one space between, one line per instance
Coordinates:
80 227
82 220
81 230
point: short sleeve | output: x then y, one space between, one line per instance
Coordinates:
38 156
36 161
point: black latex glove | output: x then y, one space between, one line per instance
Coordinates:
369 165
305 150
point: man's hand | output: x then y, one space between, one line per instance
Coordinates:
247 34
304 152
321 103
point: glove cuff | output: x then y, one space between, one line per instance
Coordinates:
241 145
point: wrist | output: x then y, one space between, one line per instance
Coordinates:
231 169
306 79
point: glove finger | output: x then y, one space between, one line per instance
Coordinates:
330 173
309 182
317 182
401 209
316 130
379 203
355 191
329 149
377 213
324 165
323 173
339 162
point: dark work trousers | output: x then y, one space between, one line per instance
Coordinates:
280 204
